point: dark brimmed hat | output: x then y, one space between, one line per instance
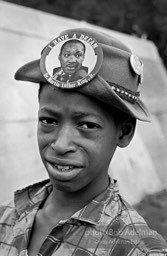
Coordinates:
109 72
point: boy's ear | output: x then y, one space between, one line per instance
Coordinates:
126 132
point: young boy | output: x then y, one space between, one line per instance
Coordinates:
78 210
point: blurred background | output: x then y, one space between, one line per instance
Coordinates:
25 28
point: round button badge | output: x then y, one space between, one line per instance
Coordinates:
71 60
137 66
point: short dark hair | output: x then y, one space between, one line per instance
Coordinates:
72 41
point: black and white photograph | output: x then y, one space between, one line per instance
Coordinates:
83 121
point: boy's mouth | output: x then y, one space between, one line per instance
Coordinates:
64 171
64 167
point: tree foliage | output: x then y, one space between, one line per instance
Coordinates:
144 18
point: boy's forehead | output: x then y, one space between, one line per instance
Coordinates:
52 98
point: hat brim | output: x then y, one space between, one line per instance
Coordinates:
97 88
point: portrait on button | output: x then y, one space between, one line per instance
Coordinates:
71 57
71 60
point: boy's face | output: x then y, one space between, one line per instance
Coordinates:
77 138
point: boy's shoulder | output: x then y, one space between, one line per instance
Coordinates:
11 209
130 229
7 218
7 210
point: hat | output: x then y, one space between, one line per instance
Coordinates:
106 69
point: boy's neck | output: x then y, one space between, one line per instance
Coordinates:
68 203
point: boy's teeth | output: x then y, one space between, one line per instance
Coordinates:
64 168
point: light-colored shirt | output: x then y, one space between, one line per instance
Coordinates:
107 226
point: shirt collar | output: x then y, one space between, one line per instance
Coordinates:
93 211
33 196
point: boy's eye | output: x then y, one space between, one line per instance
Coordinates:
89 125
48 121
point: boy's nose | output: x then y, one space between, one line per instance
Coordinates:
63 143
